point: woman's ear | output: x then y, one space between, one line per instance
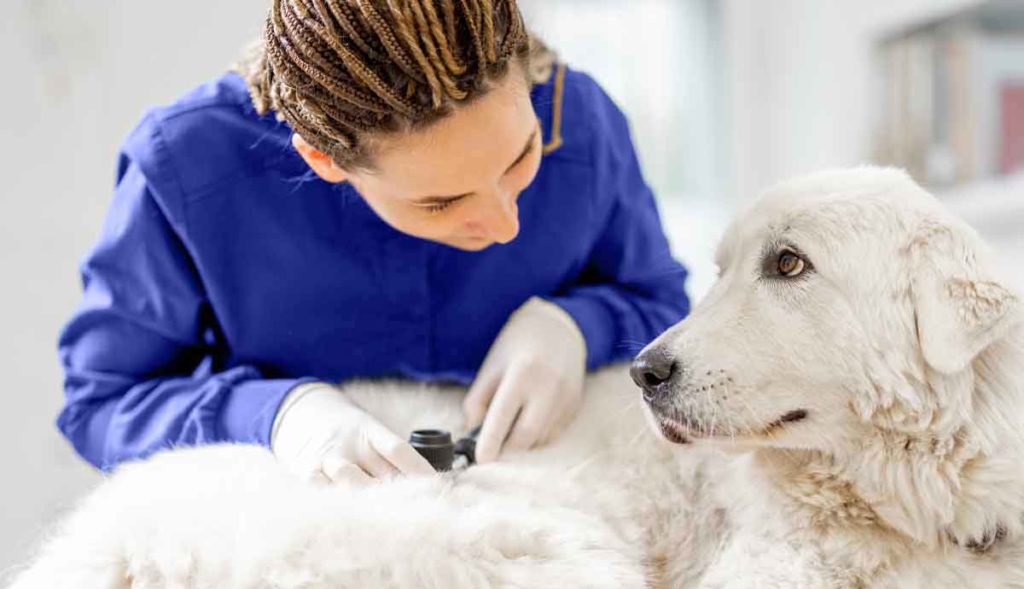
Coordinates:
320 162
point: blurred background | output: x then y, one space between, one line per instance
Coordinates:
724 96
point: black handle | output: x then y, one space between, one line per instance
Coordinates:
467 445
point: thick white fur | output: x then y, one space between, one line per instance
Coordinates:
901 345
229 517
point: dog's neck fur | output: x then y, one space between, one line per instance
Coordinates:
962 490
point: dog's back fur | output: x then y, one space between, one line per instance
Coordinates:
229 517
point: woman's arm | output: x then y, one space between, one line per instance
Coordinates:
140 352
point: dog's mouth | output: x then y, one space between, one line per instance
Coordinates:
684 429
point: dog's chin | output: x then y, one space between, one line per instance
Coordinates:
685 430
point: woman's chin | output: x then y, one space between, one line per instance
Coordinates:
468 244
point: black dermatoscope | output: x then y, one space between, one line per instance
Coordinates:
441 452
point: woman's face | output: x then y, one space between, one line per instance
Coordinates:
457 181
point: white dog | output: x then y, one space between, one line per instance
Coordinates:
857 362
859 342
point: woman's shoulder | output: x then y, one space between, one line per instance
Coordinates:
206 136
577 115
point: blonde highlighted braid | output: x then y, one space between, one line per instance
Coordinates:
340 71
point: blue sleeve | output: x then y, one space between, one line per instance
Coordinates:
632 289
138 354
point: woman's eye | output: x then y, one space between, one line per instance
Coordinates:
442 206
791 265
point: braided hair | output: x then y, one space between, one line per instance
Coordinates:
338 71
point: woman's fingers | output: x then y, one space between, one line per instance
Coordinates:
564 415
397 453
531 426
339 470
498 421
376 465
381 455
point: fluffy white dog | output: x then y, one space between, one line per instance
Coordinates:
842 410
860 343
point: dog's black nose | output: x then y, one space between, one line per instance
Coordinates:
652 371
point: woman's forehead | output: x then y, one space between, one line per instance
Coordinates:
478 141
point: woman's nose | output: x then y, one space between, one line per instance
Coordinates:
501 218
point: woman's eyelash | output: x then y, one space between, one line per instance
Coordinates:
440 206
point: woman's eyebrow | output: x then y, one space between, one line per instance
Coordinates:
435 200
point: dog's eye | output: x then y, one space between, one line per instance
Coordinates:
791 265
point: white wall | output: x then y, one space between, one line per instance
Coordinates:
77 75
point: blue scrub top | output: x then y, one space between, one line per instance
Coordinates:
227 272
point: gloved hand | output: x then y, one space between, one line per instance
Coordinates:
321 435
531 383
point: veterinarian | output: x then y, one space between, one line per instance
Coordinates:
407 189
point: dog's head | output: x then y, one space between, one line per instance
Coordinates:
840 296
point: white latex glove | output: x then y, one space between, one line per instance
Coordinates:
321 435
531 383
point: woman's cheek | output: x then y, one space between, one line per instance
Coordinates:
521 178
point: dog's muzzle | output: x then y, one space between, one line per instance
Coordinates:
655 371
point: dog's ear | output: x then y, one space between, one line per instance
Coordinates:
960 307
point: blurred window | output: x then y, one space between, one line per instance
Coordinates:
659 60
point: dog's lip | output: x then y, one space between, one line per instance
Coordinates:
791 417
679 432
673 432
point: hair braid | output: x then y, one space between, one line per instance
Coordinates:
448 6
516 30
355 28
471 13
487 14
357 67
394 49
306 74
343 71
414 9
443 36
307 121
400 19
301 41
